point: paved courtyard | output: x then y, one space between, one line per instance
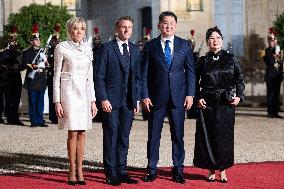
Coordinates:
257 139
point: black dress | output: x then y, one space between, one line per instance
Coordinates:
219 75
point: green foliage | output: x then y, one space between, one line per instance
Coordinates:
279 25
252 63
46 16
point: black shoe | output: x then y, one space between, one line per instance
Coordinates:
178 178
150 177
223 181
71 182
278 116
34 125
16 123
81 182
54 121
127 179
113 181
43 125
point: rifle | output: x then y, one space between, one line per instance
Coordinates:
39 60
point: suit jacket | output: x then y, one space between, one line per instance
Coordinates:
110 74
160 83
39 81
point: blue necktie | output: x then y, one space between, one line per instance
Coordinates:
168 56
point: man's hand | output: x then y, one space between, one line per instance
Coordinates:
188 102
59 110
106 106
146 103
201 104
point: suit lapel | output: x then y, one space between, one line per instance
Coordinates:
132 55
159 51
118 54
177 48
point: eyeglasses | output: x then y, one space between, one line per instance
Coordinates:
214 38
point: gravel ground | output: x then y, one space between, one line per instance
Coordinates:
257 139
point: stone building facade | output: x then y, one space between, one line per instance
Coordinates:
236 18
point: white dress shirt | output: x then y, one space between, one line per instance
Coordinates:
120 42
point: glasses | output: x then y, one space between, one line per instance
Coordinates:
215 38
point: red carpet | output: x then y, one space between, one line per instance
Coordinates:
265 175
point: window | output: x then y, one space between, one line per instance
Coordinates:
194 5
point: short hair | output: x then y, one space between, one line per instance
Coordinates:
167 13
122 18
73 22
211 30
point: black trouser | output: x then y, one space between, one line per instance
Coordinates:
12 97
1 101
52 115
273 92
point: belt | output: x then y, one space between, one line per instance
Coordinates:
40 70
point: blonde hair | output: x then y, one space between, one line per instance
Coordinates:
73 22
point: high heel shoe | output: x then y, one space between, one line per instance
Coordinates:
81 182
223 178
211 176
71 182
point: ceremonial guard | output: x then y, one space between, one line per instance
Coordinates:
273 75
11 62
50 72
35 61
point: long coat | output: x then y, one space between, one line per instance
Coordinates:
73 84
217 74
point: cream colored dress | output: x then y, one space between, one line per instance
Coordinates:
73 84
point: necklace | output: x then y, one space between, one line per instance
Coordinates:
217 58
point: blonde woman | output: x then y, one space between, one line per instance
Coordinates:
74 94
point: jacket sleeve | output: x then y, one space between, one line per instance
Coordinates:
58 64
144 72
239 80
100 74
91 78
190 72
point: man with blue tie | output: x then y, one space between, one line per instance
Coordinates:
117 73
168 87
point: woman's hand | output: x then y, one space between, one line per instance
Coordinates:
236 101
59 110
201 104
94 109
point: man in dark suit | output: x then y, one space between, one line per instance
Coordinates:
35 82
117 71
168 87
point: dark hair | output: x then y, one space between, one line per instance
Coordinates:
122 18
211 30
166 13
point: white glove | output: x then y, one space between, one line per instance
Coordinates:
43 57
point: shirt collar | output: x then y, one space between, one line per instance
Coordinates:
120 42
168 38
